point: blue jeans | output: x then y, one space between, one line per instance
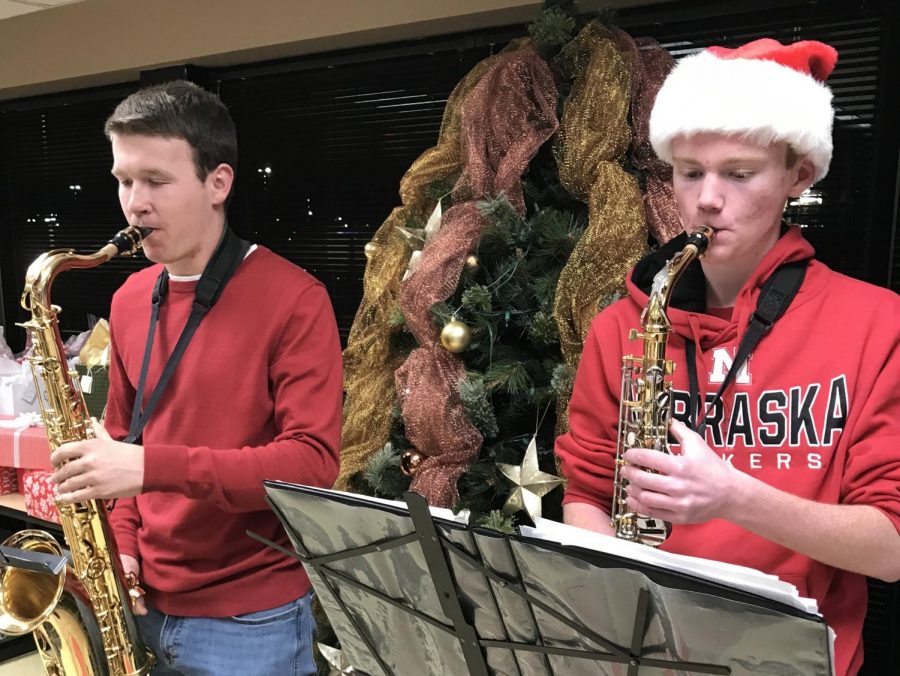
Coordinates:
274 642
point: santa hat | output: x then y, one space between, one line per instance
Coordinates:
763 91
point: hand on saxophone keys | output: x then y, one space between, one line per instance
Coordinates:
98 468
690 486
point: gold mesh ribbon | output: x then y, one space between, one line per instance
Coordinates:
592 140
368 363
507 116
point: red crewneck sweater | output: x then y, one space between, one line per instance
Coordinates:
257 395
815 412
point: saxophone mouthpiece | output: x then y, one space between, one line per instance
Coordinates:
128 241
701 238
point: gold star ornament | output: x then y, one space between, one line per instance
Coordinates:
336 661
530 484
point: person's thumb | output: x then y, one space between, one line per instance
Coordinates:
99 430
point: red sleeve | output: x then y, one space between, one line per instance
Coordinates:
124 518
872 470
306 378
587 451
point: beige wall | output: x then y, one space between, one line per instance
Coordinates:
107 41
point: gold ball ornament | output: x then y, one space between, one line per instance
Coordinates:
410 461
455 336
472 263
370 249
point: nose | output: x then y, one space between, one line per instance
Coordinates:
710 198
136 200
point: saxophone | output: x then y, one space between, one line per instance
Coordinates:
82 619
645 401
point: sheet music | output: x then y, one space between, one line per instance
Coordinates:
747 579
739 577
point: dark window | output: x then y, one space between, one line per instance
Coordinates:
323 151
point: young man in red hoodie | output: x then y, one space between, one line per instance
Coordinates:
255 395
798 471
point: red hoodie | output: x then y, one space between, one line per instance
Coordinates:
815 412
257 395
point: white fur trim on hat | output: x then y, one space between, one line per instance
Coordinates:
757 99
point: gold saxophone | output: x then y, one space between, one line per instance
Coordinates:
82 619
645 401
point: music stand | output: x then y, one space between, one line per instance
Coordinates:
36 562
410 593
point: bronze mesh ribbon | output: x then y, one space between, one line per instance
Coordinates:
506 118
653 63
368 363
592 141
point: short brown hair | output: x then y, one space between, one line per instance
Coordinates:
180 109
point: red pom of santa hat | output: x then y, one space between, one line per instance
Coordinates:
763 91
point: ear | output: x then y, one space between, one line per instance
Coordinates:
219 182
803 175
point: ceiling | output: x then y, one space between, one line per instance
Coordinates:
10 8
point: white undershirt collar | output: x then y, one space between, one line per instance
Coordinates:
194 278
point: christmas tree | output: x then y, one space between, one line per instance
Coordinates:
515 229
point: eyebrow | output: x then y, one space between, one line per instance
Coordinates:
727 162
145 173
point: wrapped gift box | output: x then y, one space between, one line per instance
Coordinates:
9 480
23 445
40 499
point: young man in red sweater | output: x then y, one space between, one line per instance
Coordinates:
256 395
798 472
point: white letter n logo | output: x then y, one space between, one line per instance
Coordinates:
722 361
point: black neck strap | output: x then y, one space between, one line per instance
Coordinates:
774 298
225 260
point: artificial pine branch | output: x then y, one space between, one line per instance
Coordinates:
442 313
552 29
477 298
481 489
396 320
542 330
499 211
477 404
510 377
382 473
544 288
439 188
498 521
557 232
563 379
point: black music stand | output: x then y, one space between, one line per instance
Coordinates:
34 561
409 593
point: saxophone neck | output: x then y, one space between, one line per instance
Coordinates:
45 268
654 315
